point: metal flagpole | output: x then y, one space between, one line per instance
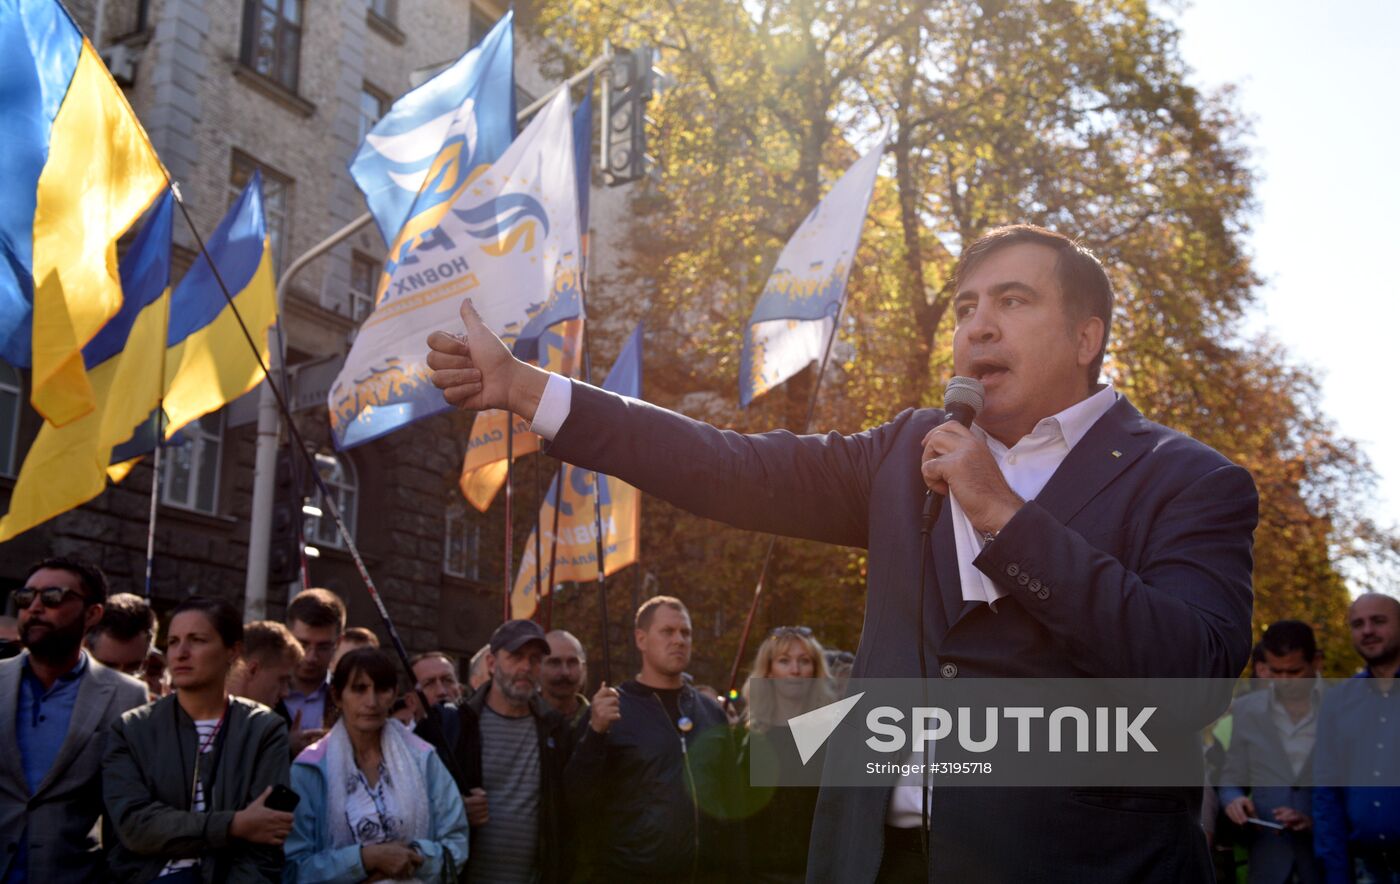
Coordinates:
539 549
507 579
773 539
554 547
155 487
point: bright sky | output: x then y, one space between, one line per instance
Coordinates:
1320 82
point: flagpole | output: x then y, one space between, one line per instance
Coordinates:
773 539
155 481
539 549
554 547
509 570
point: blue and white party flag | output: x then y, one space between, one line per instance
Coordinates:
434 137
509 241
796 314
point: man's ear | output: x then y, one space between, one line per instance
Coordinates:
91 617
640 637
1089 340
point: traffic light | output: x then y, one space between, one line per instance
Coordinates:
627 88
284 551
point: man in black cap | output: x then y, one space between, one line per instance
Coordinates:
511 750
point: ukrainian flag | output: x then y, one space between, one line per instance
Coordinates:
208 362
67 465
76 171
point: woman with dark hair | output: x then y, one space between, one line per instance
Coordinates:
186 778
376 801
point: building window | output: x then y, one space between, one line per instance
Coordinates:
277 189
11 395
461 544
272 40
190 470
373 104
385 9
339 475
364 278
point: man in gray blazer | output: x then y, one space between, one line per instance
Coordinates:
1268 769
56 704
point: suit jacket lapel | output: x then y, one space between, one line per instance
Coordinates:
1112 445
10 767
945 557
88 709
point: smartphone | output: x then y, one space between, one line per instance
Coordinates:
282 799
1265 823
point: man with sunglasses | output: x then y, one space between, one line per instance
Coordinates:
56 703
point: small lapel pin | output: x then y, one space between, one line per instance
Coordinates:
1117 453
685 724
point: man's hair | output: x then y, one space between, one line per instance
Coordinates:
270 640
1257 654
221 613
429 655
358 635
124 617
317 607
93 581
1084 285
375 663
647 612
1287 636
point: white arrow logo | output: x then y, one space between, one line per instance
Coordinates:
811 729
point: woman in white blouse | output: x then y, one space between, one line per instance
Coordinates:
376 802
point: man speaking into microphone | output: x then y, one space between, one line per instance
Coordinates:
1078 540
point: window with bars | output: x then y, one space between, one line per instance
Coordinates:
190 471
11 397
461 544
272 40
277 189
373 104
364 277
339 475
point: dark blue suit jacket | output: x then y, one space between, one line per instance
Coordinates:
1134 561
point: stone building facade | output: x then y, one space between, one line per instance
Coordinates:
288 87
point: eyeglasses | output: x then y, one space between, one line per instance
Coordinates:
804 631
51 596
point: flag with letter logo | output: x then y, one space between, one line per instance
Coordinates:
484 466
796 314
76 171
435 136
509 241
576 556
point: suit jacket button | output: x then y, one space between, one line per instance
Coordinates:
1013 569
1034 585
949 670
1023 579
1044 593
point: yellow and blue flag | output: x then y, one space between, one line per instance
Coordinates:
67 465
208 362
76 171
576 556
795 316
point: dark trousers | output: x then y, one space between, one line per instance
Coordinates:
904 860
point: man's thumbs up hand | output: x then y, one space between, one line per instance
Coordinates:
476 370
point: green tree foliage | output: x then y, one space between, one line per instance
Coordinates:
1074 115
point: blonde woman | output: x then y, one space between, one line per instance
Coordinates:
780 820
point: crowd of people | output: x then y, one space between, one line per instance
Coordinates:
297 751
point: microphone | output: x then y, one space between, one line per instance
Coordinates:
962 399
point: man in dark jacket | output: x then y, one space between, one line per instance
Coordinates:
510 749
653 765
